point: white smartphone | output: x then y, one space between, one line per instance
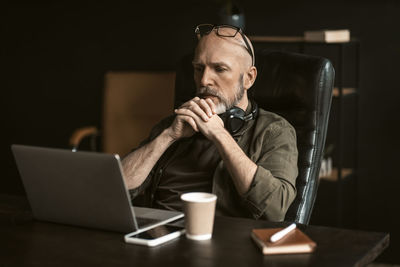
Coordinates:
155 236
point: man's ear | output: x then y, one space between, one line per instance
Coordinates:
249 77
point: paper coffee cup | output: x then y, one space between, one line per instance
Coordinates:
199 209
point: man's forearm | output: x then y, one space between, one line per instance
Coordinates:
240 167
138 164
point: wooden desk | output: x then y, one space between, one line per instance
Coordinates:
28 242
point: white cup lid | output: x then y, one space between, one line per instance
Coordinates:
198 197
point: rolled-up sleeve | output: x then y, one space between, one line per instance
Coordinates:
155 131
273 188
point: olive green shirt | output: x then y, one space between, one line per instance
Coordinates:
270 142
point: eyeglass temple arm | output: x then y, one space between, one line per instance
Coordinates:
248 47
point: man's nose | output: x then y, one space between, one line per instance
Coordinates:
206 78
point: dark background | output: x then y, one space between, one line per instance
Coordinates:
54 56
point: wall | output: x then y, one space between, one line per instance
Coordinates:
54 56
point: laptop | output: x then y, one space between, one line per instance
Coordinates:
83 189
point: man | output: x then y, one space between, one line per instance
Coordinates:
251 169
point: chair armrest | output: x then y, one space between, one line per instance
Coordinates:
80 134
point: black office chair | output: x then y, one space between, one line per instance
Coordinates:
299 88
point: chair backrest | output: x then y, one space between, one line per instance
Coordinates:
134 101
299 88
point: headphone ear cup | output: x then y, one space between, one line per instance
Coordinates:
235 120
235 124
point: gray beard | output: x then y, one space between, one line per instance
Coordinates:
224 103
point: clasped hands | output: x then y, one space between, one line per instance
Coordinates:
196 115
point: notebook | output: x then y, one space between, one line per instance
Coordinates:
83 189
293 243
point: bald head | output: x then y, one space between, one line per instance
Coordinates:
227 47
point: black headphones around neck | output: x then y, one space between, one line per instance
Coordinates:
235 118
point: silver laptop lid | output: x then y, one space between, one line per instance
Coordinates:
78 188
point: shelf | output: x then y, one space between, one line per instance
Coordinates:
345 91
333 177
291 39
